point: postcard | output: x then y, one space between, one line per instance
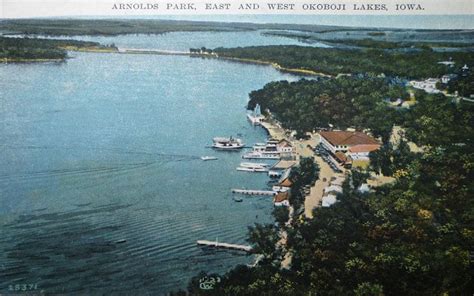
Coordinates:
265 147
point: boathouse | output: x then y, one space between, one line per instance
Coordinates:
281 199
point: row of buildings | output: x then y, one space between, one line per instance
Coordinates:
347 148
430 85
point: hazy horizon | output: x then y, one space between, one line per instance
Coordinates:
431 22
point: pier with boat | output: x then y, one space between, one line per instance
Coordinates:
272 149
256 117
253 167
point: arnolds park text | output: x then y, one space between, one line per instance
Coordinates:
180 6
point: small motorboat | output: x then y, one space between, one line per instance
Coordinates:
205 158
237 199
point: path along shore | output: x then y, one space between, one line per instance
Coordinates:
315 196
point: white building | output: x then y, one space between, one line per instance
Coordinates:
284 146
281 199
428 85
361 152
328 200
333 188
335 141
448 77
284 183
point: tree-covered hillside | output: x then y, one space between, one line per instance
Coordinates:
306 105
411 237
36 48
415 65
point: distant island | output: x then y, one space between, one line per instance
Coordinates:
26 49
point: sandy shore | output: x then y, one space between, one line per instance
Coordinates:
315 196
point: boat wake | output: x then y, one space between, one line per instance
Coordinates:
145 159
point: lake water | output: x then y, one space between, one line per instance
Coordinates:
106 147
183 41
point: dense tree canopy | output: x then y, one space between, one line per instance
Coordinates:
37 48
306 105
411 237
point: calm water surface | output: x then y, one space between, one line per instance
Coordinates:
105 148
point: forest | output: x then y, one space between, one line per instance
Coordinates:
370 42
373 61
308 105
37 48
111 27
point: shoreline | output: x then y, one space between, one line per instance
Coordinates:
90 49
278 67
313 199
24 61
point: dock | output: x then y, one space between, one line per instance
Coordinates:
216 244
253 192
284 164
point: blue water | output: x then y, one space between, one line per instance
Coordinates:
106 147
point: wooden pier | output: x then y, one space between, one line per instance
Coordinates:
216 244
253 192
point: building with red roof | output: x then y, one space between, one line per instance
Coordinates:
348 146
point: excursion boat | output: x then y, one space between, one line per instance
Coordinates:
255 170
253 167
227 143
256 116
205 158
272 149
254 164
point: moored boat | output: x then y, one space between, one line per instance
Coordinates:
254 164
272 149
256 116
250 167
230 143
237 199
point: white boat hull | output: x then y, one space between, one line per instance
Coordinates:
255 170
227 143
230 147
260 156
254 165
206 158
